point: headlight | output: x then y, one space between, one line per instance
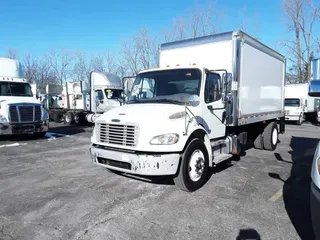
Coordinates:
3 119
45 115
166 139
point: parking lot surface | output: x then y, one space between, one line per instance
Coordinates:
49 189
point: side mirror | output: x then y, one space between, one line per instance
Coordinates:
193 100
97 101
314 88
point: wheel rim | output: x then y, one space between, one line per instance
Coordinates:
196 165
274 136
76 118
67 118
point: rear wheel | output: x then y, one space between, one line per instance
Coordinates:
57 116
193 170
69 118
270 136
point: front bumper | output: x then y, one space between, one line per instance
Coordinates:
152 164
292 117
23 128
315 209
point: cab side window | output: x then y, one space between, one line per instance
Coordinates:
212 88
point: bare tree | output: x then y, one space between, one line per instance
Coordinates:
202 22
302 16
110 60
11 53
82 66
61 63
30 68
130 56
45 74
97 63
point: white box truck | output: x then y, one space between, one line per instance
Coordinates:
209 97
20 112
299 106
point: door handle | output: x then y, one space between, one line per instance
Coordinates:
210 107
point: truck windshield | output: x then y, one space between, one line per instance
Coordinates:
169 86
292 102
113 93
15 89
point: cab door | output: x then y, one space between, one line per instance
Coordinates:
213 108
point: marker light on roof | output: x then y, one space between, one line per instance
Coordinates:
178 65
168 65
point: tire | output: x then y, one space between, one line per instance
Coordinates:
188 179
69 118
299 122
77 118
258 142
270 136
40 134
56 117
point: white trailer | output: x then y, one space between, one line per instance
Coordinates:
209 97
20 111
315 69
80 103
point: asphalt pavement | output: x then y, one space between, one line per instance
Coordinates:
49 189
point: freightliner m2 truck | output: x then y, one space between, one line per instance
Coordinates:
210 96
20 112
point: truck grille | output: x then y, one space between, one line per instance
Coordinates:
21 114
126 135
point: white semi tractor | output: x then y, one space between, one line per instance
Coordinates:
299 106
209 97
20 112
79 103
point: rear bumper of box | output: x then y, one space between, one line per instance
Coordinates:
292 117
23 128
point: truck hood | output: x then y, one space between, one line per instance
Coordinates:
14 100
143 114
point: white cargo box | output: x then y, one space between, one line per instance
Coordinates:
258 72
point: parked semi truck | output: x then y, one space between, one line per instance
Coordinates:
209 97
299 105
81 104
20 112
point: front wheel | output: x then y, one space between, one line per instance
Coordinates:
194 166
299 122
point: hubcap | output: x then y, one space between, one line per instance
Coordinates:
196 165
274 136
67 118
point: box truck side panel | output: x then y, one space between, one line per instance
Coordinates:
261 87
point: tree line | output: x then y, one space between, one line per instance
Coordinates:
141 52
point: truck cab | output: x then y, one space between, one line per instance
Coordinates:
20 111
295 109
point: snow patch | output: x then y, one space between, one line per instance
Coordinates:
52 136
10 145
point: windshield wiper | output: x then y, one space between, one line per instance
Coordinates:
165 100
